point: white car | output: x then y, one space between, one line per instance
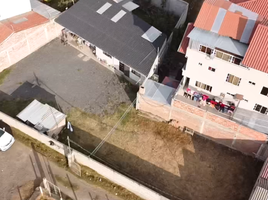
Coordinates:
6 140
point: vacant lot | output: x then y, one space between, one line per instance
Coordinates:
158 155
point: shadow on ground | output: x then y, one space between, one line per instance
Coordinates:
211 172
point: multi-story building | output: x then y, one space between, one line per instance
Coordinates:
227 52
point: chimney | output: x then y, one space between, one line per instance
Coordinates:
142 90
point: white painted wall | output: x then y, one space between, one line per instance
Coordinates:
217 79
110 61
11 8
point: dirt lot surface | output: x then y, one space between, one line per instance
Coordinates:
172 163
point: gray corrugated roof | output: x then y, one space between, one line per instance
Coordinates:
122 39
44 10
214 40
159 92
41 115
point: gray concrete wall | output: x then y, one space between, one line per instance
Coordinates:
105 171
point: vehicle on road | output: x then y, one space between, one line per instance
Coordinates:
6 140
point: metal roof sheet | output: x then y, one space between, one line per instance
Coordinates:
158 92
130 6
227 19
44 10
41 114
256 55
259 194
257 6
214 40
151 34
185 40
121 40
104 8
118 16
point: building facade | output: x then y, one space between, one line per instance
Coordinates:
225 51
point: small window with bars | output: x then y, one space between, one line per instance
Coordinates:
211 69
233 79
261 109
252 83
136 73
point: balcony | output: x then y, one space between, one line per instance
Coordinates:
212 53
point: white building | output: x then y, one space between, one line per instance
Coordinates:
13 8
119 38
226 50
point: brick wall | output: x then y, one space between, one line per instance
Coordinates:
209 125
23 43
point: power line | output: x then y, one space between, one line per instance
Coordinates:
113 129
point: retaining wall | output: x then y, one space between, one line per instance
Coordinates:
209 125
105 171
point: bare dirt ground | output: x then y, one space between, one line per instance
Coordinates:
173 163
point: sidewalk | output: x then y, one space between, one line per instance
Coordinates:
21 164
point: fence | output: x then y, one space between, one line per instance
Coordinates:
209 125
82 159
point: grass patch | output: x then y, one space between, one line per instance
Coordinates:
88 174
4 74
155 16
65 182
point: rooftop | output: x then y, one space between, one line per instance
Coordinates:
42 116
115 30
227 19
20 23
44 10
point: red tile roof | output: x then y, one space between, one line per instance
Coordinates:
257 6
238 1
185 40
233 22
5 32
20 23
256 55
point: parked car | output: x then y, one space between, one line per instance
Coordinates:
6 140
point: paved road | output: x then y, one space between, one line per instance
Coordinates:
20 164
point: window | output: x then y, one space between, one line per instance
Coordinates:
206 50
211 69
260 109
136 73
252 83
203 86
106 54
200 64
236 60
264 91
233 79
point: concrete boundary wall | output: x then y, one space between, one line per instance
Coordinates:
23 43
103 170
209 125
